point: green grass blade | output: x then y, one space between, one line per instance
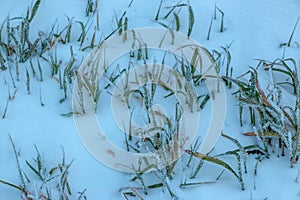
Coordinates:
292 34
191 21
177 22
34 10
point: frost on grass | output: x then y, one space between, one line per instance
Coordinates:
44 182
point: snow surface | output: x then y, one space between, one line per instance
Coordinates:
256 28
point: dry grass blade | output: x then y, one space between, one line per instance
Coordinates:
218 162
262 94
264 134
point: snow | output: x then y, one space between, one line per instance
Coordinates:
256 28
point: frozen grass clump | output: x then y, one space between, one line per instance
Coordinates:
275 122
44 183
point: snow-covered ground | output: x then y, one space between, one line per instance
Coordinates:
255 30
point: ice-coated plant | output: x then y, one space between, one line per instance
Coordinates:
273 120
45 183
